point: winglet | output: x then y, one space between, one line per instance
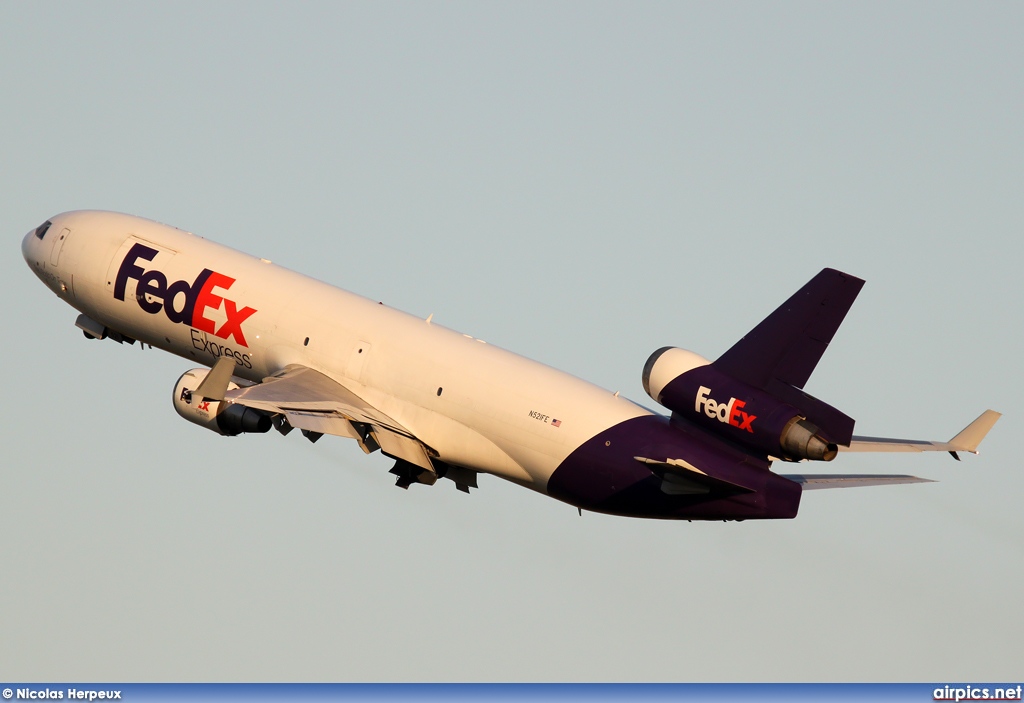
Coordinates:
970 437
215 385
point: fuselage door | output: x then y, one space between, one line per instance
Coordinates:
58 246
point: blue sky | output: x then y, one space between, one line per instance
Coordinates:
582 183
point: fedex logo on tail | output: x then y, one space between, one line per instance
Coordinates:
181 301
730 413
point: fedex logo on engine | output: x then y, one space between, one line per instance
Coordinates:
730 413
182 301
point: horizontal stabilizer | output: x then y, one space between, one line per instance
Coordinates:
811 482
966 441
681 472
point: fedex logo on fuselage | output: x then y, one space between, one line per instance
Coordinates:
182 301
730 413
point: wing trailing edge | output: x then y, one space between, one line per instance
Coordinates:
812 482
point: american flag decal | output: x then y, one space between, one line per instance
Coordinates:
556 423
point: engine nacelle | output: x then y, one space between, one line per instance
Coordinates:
223 418
695 390
667 364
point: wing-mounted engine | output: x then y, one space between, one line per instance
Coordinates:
222 417
301 397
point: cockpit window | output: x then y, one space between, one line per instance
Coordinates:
41 229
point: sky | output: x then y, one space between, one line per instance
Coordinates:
579 182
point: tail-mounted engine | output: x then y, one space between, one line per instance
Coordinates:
221 417
694 390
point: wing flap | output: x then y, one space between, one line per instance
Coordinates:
324 423
308 393
403 447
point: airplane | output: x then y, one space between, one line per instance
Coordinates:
286 351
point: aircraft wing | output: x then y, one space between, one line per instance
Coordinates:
966 441
318 405
811 482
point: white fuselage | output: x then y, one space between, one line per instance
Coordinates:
478 406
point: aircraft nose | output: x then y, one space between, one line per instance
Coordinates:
32 242
26 247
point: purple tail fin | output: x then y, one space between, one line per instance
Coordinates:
779 354
787 345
